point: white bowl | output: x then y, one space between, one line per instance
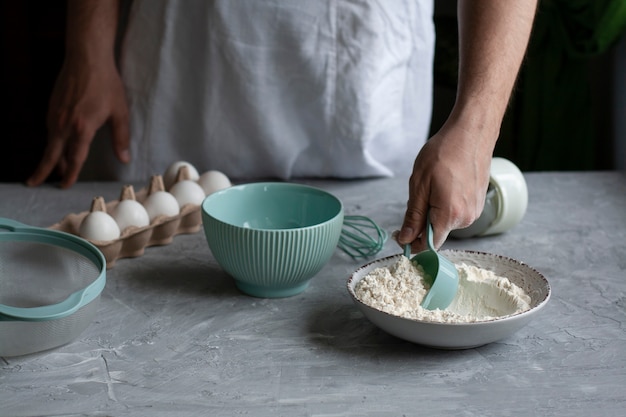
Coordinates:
460 335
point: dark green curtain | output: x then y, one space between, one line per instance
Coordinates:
550 123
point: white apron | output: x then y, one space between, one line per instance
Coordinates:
275 88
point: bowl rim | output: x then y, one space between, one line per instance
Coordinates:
286 184
352 281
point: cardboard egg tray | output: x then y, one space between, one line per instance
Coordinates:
134 240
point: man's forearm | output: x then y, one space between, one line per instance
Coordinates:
493 36
91 28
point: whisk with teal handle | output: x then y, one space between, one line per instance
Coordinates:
361 237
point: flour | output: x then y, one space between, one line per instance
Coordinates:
482 295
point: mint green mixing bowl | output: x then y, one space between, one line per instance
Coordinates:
272 237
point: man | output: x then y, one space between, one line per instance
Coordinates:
288 89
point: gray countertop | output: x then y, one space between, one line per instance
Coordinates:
175 337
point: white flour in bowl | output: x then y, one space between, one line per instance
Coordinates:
482 295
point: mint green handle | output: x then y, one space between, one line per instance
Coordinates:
441 274
66 307
11 230
11 225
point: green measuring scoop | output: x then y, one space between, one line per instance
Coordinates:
440 272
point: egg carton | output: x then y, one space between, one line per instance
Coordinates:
134 240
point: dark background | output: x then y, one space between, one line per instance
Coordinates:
32 52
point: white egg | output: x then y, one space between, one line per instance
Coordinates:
98 225
169 177
212 181
130 213
187 192
161 203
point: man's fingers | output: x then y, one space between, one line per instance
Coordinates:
415 217
121 137
445 219
51 157
76 155
412 226
441 228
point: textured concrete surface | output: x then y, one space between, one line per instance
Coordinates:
175 337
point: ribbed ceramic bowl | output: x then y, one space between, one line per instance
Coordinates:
460 335
272 237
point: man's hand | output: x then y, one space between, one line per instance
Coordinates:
451 173
450 178
82 101
88 93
